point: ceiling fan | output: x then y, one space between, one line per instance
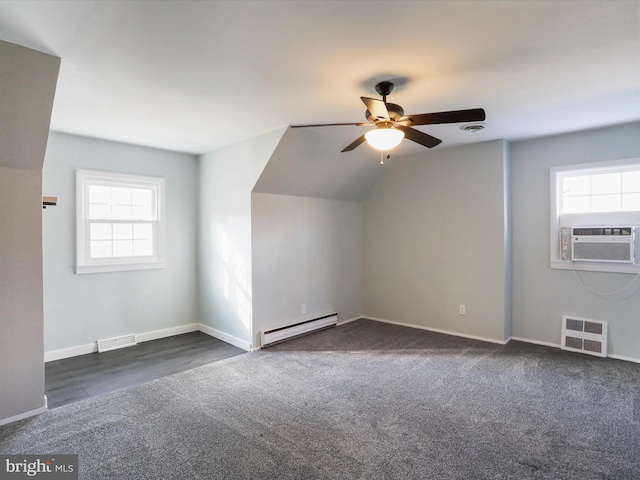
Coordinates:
392 125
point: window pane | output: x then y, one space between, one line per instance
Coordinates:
141 213
100 249
121 212
606 183
631 182
576 185
141 197
576 204
122 231
122 248
606 203
99 194
121 195
142 247
143 231
100 231
99 212
631 202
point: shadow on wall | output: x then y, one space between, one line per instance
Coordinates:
234 279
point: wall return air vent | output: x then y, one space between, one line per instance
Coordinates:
117 342
584 336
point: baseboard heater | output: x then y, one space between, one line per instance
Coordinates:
584 336
117 342
280 334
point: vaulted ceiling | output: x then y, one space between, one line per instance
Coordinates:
196 76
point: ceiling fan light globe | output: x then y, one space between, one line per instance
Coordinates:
384 138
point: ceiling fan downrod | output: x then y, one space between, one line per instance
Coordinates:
384 89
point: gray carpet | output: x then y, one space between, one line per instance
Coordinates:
362 401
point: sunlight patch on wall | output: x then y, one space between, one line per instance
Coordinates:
225 287
222 244
234 279
243 304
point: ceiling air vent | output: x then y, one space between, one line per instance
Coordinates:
584 336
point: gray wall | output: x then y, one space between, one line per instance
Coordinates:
80 309
305 251
27 86
542 295
21 350
226 178
435 237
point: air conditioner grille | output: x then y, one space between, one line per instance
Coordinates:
612 252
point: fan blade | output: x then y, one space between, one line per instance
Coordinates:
454 116
420 137
377 108
354 144
361 124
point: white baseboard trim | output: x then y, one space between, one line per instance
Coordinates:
225 337
22 416
536 342
556 345
348 320
166 332
53 355
437 330
623 358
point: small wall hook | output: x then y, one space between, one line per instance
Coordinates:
49 201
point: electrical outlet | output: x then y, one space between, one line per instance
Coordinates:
304 308
462 309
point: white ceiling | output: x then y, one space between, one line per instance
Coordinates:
196 76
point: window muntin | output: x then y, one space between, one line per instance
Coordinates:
119 222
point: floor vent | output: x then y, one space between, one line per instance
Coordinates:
584 336
117 342
277 335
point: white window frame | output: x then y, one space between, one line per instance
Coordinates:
84 262
596 218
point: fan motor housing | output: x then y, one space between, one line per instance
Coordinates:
395 112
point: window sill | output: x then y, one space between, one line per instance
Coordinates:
628 268
119 267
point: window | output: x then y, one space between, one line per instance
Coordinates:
602 194
595 191
119 222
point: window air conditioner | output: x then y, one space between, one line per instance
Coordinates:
608 244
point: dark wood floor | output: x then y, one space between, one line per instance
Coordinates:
72 379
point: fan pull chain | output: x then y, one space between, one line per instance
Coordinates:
382 156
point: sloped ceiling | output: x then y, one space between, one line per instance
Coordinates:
27 86
194 76
308 163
